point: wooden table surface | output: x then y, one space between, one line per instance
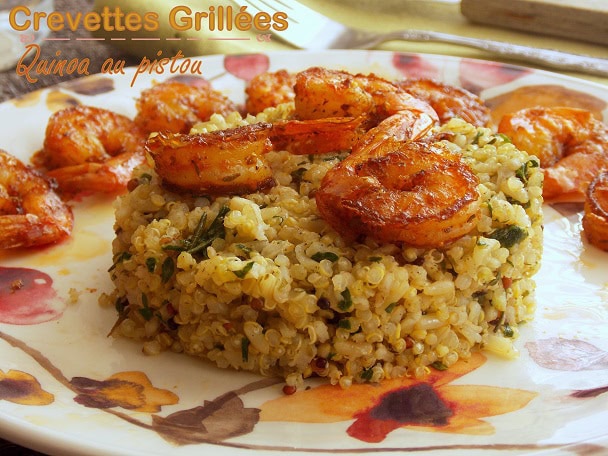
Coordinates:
13 85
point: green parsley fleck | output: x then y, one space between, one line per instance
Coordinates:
390 307
243 272
167 269
344 323
439 366
245 349
509 235
319 256
367 374
151 264
347 300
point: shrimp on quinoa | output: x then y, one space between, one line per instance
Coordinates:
415 192
31 213
220 162
322 93
268 90
571 144
595 216
233 161
89 149
448 101
176 106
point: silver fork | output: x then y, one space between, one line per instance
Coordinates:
311 30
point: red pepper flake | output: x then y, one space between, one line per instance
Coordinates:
288 390
256 304
409 342
228 326
507 282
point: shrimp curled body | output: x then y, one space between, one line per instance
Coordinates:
221 162
89 149
31 213
414 192
321 93
595 216
233 161
571 144
448 101
176 106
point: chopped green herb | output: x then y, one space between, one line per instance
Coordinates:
344 323
243 272
151 264
297 175
202 237
504 137
439 366
146 177
331 256
121 306
146 311
476 138
390 307
518 203
496 279
490 209
123 256
244 248
347 300
367 374
375 259
507 330
245 349
522 171
508 236
167 269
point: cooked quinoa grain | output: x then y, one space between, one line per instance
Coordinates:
261 283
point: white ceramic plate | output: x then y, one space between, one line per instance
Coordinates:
66 388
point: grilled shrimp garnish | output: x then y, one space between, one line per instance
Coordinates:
176 106
595 216
233 161
571 144
416 192
221 162
321 93
89 149
31 213
448 101
397 185
268 90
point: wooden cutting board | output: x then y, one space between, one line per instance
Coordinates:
585 20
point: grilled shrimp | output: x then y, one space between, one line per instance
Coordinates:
321 93
269 89
221 162
448 101
31 213
233 161
176 106
571 144
399 190
595 216
88 149
83 134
